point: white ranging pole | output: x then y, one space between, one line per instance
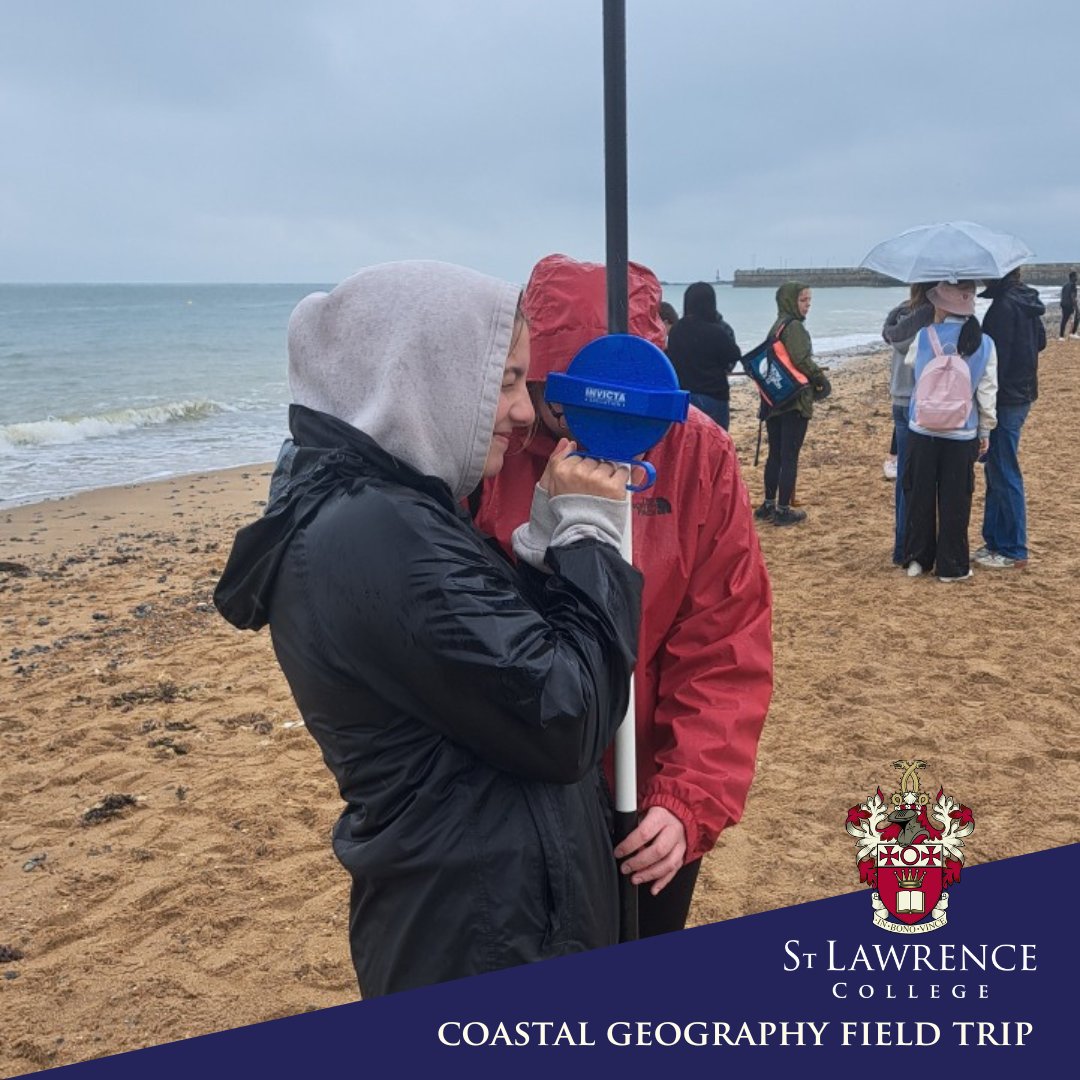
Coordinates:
625 736
626 807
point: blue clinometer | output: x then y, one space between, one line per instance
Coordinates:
620 394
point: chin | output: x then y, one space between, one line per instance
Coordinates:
493 466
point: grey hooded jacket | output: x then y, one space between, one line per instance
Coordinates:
902 324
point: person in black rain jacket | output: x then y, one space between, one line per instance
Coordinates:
702 349
461 703
1014 321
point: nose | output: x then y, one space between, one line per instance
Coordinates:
522 413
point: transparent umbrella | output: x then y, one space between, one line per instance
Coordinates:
952 251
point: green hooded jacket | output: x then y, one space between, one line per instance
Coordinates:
797 342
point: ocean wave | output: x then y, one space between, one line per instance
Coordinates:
55 431
843 347
849 345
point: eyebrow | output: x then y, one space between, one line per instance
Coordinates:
516 372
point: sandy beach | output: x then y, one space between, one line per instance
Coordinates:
164 817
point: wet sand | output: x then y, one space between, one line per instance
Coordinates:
164 818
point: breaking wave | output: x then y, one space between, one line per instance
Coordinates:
56 431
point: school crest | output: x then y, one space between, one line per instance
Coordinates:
910 852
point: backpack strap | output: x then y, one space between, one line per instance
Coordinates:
939 349
935 341
781 328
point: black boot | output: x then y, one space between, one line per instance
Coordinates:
784 515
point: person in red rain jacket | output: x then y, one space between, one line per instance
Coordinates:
705 665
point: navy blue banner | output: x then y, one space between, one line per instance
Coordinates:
808 990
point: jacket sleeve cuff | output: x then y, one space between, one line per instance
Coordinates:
697 843
588 517
530 541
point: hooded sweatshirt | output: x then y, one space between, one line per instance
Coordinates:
416 368
1014 321
463 705
1068 294
901 326
797 342
704 674
701 346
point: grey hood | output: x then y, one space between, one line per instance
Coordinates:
412 354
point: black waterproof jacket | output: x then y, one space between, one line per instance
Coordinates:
462 704
1014 322
703 354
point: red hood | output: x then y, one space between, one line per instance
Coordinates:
566 305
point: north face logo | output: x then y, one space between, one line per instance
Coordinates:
652 507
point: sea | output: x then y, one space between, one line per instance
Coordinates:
104 385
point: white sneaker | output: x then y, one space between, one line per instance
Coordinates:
914 569
981 553
962 577
1075 337
994 561
889 468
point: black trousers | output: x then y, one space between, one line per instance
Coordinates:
786 434
939 480
667 912
1066 315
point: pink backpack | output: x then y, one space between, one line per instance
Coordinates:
943 394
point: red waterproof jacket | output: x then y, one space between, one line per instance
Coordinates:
704 670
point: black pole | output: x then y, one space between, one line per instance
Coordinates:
618 308
615 164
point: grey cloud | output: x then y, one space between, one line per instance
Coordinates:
278 141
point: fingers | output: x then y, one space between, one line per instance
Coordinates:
563 448
655 850
647 831
658 886
587 476
661 870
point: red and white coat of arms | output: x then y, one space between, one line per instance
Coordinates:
908 859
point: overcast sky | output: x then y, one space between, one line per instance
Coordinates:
242 141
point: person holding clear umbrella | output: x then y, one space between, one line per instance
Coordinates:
951 415
939 473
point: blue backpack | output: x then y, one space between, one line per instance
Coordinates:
773 372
